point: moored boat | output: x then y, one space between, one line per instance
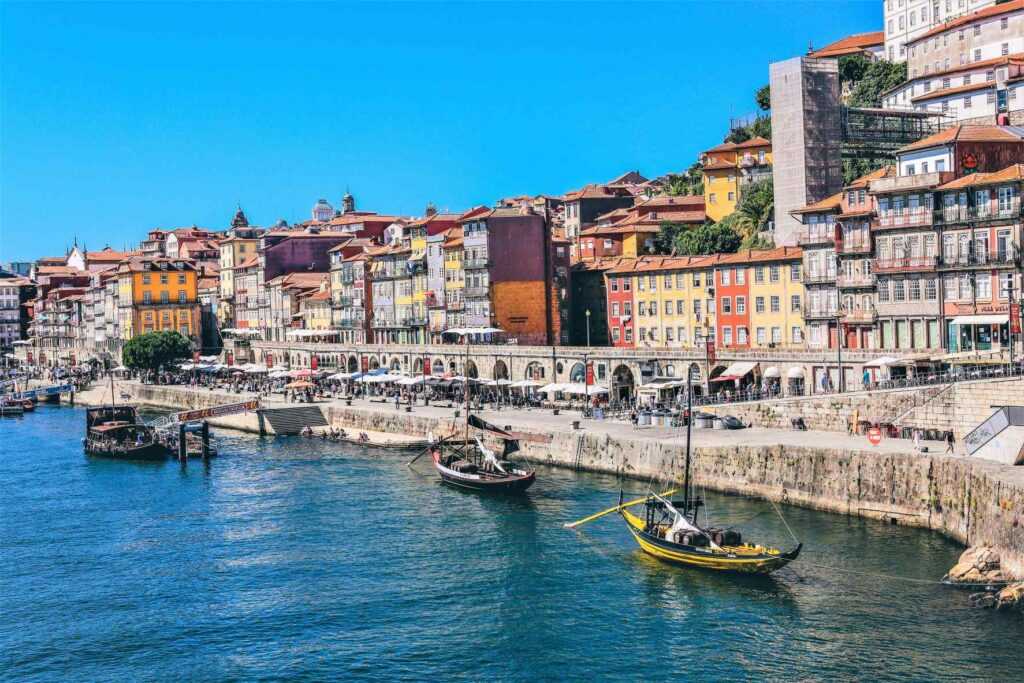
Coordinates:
11 408
472 465
118 432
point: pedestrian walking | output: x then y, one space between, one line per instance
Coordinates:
949 442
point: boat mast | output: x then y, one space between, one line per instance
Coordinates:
689 428
465 388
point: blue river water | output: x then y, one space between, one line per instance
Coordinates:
302 560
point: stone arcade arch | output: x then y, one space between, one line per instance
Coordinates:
500 370
438 367
471 370
578 374
353 364
623 384
534 371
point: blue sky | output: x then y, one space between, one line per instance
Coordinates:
118 118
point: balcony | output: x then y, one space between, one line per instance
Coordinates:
344 301
910 183
959 213
476 292
905 265
854 247
854 280
350 324
819 236
818 278
415 321
860 316
456 305
905 219
475 263
1006 258
387 324
819 312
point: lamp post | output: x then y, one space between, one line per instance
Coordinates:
588 328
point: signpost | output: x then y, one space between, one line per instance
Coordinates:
874 436
217 411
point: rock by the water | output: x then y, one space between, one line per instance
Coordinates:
1011 597
977 565
983 600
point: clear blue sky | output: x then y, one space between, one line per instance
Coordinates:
118 118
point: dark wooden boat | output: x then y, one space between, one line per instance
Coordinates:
471 465
118 432
11 408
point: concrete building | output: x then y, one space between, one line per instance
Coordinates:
806 138
15 292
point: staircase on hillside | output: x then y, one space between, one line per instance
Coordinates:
294 419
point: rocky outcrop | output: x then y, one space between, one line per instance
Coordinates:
1011 597
978 565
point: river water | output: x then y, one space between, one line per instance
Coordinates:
301 560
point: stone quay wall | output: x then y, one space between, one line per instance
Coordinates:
973 501
963 406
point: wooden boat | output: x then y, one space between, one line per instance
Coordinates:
473 466
11 408
118 432
670 531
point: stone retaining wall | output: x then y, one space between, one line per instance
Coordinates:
972 501
965 405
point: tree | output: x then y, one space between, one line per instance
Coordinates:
761 127
763 97
852 68
155 350
691 182
879 77
738 134
710 238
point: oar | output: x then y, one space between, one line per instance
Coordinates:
620 506
426 450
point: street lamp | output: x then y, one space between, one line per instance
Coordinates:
588 327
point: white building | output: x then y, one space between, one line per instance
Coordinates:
908 20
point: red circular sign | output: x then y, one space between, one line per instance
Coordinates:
875 436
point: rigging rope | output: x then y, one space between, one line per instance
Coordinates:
783 518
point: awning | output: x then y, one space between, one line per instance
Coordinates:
772 373
981 319
881 362
795 373
735 371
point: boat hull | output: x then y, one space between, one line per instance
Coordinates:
152 452
743 560
509 484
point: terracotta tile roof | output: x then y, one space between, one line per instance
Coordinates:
718 165
686 202
1008 174
108 254
646 264
299 280
249 262
724 147
207 283
594 191
763 255
321 295
754 142
827 204
614 215
858 42
857 214
475 212
968 19
141 265
946 92
965 133
59 270
864 180
1015 58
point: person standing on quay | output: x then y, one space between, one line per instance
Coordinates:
949 442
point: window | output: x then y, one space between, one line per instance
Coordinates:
773 273
615 334
641 309
668 334
643 334
794 303
696 279
977 30
759 304
681 333
758 273
1004 49
681 306
147 297
668 308
977 54
775 306
668 281
680 281
776 335
1004 23
627 284
914 290
761 336
984 286
725 277
181 296
727 336
741 276
627 308
653 282
741 335
967 102
967 79
794 272
629 334
181 279
614 283
796 335
732 196
1005 285
931 292
726 305
990 97
163 279
741 305
899 291
615 308
164 297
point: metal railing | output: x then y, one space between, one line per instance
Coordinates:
998 258
910 263
965 214
854 247
471 263
818 278
816 236
922 216
469 292
855 280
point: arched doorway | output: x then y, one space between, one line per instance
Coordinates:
471 370
396 365
417 366
374 364
534 371
500 370
353 364
796 382
713 386
578 374
438 367
696 382
452 368
623 384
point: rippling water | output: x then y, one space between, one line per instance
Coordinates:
302 560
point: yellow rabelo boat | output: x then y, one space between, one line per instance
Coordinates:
668 530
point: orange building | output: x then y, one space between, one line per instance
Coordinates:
158 294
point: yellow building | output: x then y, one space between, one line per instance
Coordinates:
234 251
316 309
776 296
454 280
158 294
728 167
671 302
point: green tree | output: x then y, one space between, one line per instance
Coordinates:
690 182
738 135
761 127
852 68
763 97
879 76
710 238
155 350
